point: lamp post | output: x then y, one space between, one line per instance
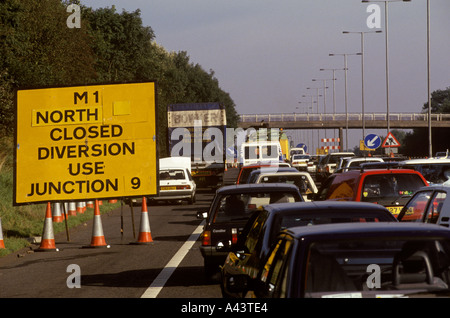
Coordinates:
346 92
386 33
325 87
362 77
334 90
312 105
306 111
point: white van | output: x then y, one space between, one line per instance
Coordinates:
260 151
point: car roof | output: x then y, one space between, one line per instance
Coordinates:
255 187
368 229
325 205
432 187
284 173
426 161
361 170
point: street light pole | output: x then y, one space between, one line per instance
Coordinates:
362 78
430 147
334 91
386 34
346 93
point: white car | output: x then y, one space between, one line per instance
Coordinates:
175 180
435 171
300 162
347 163
301 179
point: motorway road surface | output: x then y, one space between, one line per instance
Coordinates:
124 269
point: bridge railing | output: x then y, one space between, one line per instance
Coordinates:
342 116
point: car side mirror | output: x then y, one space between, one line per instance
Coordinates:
202 215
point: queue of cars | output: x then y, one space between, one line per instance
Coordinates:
263 239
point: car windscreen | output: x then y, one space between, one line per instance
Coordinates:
235 207
382 188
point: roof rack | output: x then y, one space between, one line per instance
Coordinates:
380 165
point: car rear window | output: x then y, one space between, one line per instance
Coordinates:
300 181
390 186
235 207
173 174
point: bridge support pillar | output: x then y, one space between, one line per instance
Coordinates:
341 139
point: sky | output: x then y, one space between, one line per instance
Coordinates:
265 53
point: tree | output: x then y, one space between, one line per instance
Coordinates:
416 142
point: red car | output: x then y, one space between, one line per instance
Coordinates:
389 187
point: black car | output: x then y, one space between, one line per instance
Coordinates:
377 259
263 227
230 210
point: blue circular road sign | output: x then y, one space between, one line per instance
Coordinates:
372 141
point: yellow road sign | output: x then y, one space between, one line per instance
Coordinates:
363 147
86 142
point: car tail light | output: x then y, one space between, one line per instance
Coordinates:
252 206
234 235
183 187
206 238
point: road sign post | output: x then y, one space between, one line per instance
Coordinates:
86 142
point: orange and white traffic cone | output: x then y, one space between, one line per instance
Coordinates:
57 215
79 208
72 209
90 204
48 238
2 244
145 235
98 239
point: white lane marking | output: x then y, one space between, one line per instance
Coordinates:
168 270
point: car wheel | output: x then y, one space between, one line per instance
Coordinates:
192 199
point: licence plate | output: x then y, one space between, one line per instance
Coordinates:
201 173
168 188
395 210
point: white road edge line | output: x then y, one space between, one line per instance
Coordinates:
164 275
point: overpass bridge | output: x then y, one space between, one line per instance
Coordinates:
342 121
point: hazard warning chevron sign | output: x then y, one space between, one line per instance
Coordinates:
390 141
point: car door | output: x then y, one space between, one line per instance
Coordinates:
273 281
